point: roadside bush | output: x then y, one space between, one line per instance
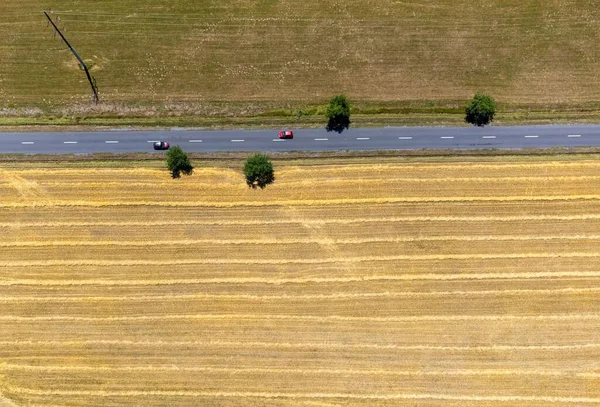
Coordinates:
259 171
480 111
338 114
178 162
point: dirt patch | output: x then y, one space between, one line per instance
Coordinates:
31 191
5 401
93 64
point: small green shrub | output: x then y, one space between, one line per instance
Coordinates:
310 111
279 113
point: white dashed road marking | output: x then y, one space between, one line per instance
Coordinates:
489 137
152 141
321 139
447 137
363 138
574 135
111 142
69 142
195 141
237 141
531 136
26 142
278 139
404 138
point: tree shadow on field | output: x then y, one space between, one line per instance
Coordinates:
338 124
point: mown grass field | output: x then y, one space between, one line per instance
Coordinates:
267 59
414 284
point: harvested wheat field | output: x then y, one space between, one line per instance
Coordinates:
413 284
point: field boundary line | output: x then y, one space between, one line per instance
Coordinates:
321 318
366 372
283 241
270 395
307 297
291 183
336 167
360 259
297 202
456 165
301 345
302 280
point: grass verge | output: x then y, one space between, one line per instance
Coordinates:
218 115
236 160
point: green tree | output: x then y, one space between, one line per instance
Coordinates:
259 171
338 114
480 111
178 162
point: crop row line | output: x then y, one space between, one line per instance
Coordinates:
303 280
298 202
278 395
303 371
227 15
344 221
304 297
310 318
345 260
283 241
299 345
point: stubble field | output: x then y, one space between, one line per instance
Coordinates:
148 52
417 284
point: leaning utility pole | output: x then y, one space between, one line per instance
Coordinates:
91 80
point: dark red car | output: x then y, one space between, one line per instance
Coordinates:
286 134
161 145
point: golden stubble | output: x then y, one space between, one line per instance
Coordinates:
403 284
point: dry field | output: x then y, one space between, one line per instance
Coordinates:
414 284
163 53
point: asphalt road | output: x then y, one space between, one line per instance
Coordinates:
388 138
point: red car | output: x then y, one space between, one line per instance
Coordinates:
286 134
161 145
